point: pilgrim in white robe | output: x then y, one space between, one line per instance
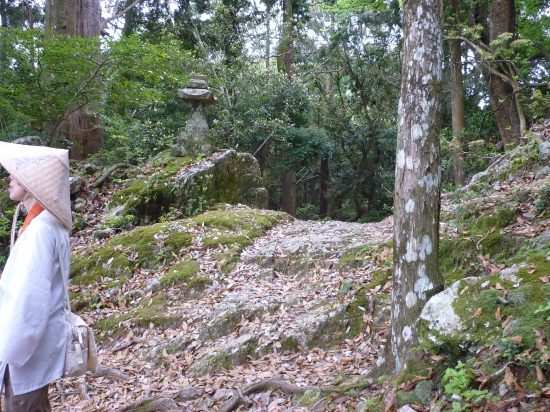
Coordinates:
32 300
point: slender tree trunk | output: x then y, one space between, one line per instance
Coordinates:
416 275
288 182
502 19
313 192
268 32
4 23
457 109
77 18
323 198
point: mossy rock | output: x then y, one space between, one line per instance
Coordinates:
185 272
146 315
236 352
476 308
151 247
230 178
407 398
499 218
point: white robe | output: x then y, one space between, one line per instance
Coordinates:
32 298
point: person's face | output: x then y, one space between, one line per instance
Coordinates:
17 192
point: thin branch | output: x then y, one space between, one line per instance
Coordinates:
99 182
123 12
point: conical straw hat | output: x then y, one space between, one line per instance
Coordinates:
44 173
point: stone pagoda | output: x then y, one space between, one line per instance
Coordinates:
196 138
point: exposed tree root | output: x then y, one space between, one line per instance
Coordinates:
99 182
124 346
111 373
82 390
277 382
161 404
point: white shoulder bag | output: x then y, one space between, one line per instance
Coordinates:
81 353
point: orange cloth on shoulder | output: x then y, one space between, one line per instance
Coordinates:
35 211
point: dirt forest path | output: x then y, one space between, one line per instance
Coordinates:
289 309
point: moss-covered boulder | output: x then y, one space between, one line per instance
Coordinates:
152 247
183 190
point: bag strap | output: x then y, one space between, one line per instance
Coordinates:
64 272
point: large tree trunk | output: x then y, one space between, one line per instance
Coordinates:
288 182
77 18
416 275
457 109
508 113
288 179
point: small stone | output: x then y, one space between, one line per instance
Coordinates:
544 150
510 273
542 173
406 408
360 407
29 141
103 233
485 284
187 393
456 398
222 394
265 399
197 77
503 389
75 182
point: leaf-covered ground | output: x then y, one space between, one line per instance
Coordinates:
260 312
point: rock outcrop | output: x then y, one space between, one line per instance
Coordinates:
227 177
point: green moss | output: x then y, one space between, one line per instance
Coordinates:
229 239
241 219
424 391
123 196
185 272
379 278
499 218
455 253
407 398
151 197
143 316
521 304
355 314
309 398
181 272
227 260
151 246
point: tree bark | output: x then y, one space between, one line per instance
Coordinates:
457 110
268 32
77 18
504 102
323 198
416 275
288 182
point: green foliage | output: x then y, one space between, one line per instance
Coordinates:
48 78
129 83
544 308
543 199
457 382
306 212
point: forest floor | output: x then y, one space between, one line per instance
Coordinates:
300 318
130 373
